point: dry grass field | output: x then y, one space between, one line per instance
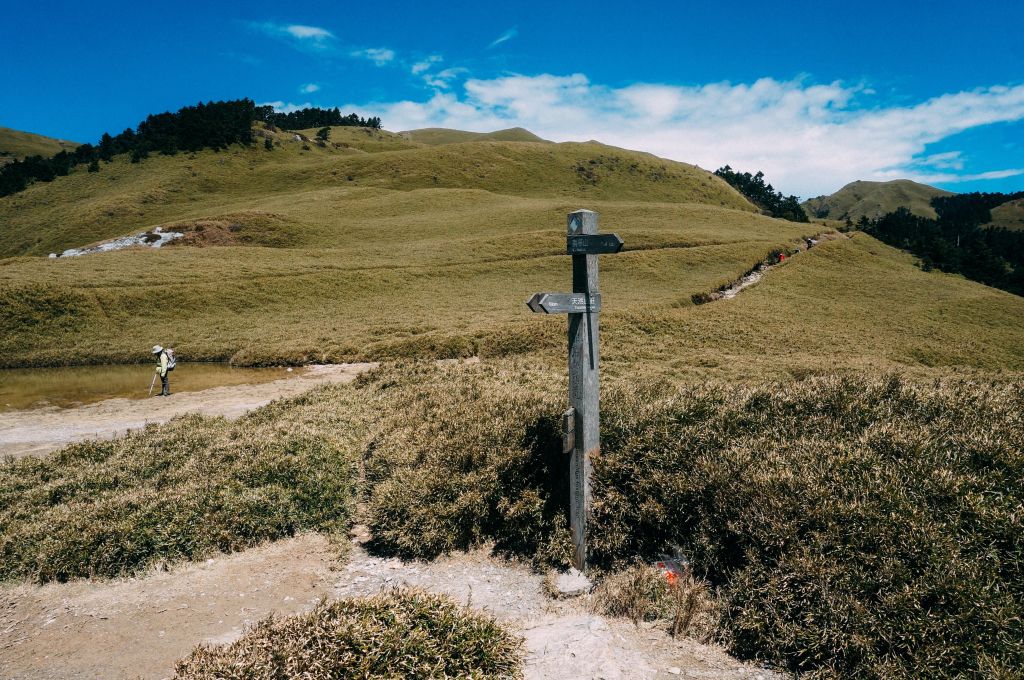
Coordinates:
836 448
874 199
15 144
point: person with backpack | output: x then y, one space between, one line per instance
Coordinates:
165 362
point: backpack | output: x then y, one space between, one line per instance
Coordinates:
171 360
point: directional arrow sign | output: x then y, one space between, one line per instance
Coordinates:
593 244
564 303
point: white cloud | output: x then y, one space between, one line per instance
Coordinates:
443 79
300 36
308 32
808 138
425 65
281 107
309 88
380 56
504 37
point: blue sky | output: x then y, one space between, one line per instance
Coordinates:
816 94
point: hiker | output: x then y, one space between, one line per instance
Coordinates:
162 367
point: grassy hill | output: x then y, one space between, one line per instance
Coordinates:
125 197
15 144
434 136
372 246
874 199
1009 215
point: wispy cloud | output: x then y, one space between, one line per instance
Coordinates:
282 107
443 79
425 64
309 88
381 56
504 37
298 35
808 138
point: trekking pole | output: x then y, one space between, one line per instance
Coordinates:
152 384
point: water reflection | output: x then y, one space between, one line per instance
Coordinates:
22 388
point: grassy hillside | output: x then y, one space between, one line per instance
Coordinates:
434 136
124 197
359 249
1009 215
15 144
874 199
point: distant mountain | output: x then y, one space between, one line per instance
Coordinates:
874 199
1009 215
15 144
434 136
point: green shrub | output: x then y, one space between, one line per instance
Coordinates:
400 634
179 491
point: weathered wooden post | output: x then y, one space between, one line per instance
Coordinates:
582 434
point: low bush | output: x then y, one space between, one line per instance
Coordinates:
399 634
865 528
643 593
467 457
180 491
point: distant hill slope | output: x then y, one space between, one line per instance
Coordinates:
874 199
434 136
375 246
1009 215
125 197
15 144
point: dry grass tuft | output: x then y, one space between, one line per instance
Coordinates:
643 593
180 491
399 634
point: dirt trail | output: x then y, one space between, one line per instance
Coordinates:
43 430
758 272
140 627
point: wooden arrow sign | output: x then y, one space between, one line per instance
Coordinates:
564 303
593 244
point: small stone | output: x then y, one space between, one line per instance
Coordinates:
675 670
572 583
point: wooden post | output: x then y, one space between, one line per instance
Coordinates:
581 436
583 386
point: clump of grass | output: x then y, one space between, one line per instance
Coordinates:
466 460
853 527
642 592
398 634
179 492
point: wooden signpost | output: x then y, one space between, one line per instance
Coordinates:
581 423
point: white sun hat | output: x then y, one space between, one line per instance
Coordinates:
157 349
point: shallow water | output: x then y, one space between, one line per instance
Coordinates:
23 388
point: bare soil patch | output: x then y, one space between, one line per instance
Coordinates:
139 627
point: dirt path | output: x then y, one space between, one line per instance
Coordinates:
140 627
43 430
758 272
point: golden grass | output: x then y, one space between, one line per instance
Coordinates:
124 197
1009 215
435 136
874 199
15 144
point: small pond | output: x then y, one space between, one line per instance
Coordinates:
23 388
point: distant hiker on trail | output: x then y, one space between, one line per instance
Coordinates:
164 364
